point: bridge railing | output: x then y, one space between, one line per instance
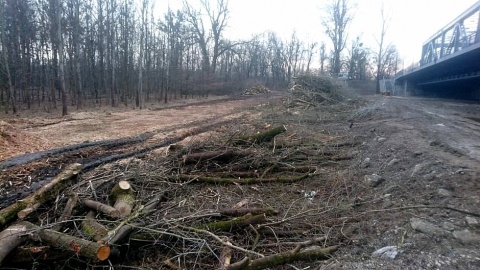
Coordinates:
463 32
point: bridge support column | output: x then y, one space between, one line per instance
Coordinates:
405 85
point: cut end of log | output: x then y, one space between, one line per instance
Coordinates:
124 185
103 252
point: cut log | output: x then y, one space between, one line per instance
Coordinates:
100 207
92 228
10 212
236 212
63 241
10 238
218 180
25 255
122 197
262 137
235 224
44 194
124 229
224 156
283 258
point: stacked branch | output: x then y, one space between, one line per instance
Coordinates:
310 91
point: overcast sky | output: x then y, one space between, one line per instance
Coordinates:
411 22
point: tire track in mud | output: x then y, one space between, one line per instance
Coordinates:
22 175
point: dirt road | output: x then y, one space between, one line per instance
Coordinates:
427 151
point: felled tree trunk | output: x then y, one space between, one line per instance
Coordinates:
10 238
48 192
266 136
101 207
63 241
26 255
94 229
283 258
220 180
122 197
244 211
222 155
236 223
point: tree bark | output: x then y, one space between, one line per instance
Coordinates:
245 211
62 241
266 136
284 258
94 229
122 197
222 155
41 196
235 224
218 180
61 67
98 206
10 238
125 229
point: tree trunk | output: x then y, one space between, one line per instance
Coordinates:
122 197
10 238
66 242
283 258
44 194
61 67
10 90
98 206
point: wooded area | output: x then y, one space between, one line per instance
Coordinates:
110 52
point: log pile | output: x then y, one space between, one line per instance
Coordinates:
257 89
310 91
197 201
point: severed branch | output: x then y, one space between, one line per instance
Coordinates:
10 238
218 239
92 228
218 180
124 229
222 155
244 211
266 136
284 258
106 209
46 193
16 234
236 223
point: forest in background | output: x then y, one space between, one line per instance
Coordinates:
70 53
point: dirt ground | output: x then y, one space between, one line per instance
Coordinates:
409 184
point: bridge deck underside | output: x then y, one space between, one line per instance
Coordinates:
460 69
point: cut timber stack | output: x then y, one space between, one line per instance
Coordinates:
256 90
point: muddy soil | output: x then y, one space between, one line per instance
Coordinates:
409 190
427 152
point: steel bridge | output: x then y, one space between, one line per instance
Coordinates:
450 62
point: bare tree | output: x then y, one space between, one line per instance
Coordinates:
10 98
323 58
61 67
139 96
310 54
336 22
358 60
218 21
381 50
